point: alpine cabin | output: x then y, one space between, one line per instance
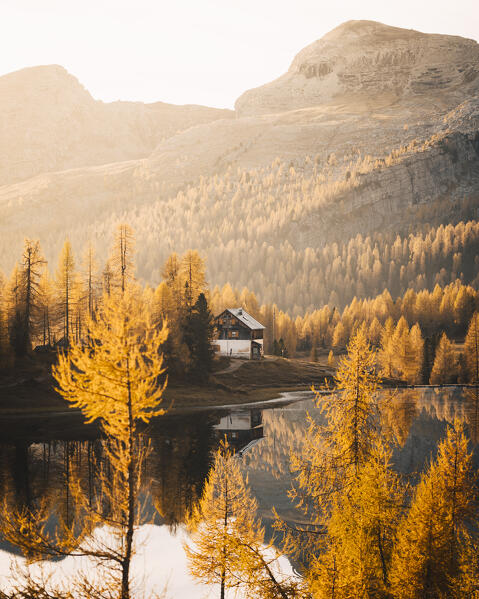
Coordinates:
239 335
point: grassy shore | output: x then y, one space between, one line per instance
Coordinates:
30 388
250 381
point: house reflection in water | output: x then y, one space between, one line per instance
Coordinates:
242 428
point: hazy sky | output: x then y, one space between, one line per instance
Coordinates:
194 51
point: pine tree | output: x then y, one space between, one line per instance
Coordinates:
227 540
65 279
198 335
429 554
121 258
360 533
444 367
471 349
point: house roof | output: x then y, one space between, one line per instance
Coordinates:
245 318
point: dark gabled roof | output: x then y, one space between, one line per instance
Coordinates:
245 318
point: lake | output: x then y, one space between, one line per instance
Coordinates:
37 456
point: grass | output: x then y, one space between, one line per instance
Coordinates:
256 380
29 388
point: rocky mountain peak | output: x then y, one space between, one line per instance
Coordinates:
365 58
45 83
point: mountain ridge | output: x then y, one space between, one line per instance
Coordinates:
50 122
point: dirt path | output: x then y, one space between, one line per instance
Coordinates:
234 365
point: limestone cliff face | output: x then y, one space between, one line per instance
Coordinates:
49 122
448 168
361 59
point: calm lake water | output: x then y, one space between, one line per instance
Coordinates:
37 455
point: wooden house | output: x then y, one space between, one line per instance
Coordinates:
239 335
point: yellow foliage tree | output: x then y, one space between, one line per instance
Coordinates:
121 260
444 367
339 335
333 454
192 276
386 354
65 282
471 349
429 559
331 359
115 377
417 341
227 540
360 533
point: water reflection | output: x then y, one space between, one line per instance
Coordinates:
36 460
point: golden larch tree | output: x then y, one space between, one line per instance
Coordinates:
471 349
65 278
121 256
444 368
386 356
115 375
116 379
332 454
428 558
227 545
360 533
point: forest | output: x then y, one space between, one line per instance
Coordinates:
282 231
46 312
44 309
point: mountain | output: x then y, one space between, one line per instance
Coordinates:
49 122
371 130
364 61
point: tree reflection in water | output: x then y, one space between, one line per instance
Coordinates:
36 466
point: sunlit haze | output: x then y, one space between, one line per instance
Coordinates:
186 51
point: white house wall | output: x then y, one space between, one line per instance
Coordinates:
239 348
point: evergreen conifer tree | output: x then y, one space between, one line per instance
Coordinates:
198 335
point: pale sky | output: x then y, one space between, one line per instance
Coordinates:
194 51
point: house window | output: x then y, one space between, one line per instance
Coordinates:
234 334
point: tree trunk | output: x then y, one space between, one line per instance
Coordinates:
125 582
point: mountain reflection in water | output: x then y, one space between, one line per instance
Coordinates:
36 459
